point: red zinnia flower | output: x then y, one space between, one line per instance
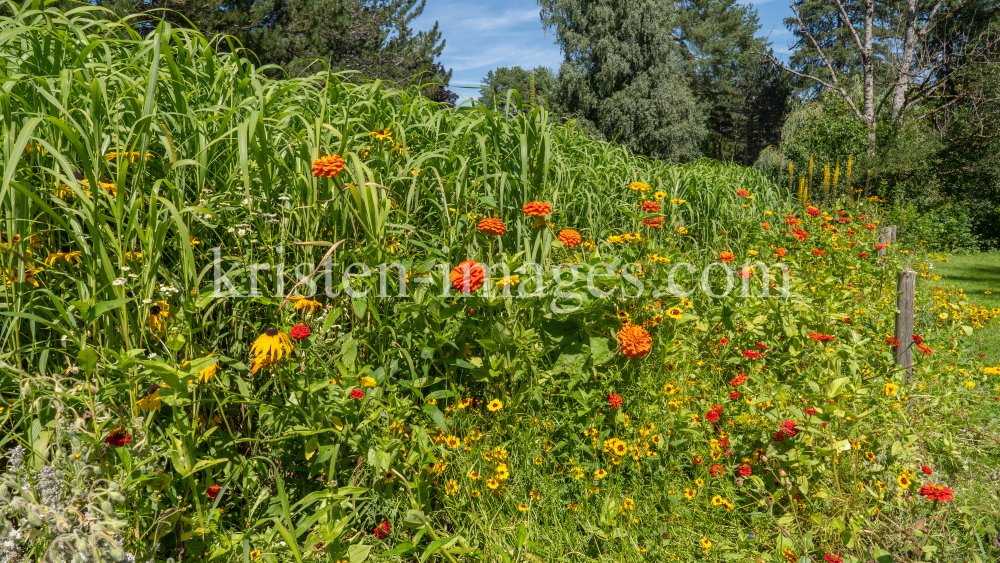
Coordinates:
357 394
468 276
493 227
810 411
696 459
382 530
328 166
788 427
734 395
570 238
812 211
117 438
751 354
936 492
537 208
831 558
299 331
614 400
761 345
650 206
820 337
745 470
917 339
893 341
927 470
863 255
213 491
716 470
723 341
712 416
717 408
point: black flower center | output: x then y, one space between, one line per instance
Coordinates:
271 331
64 250
154 310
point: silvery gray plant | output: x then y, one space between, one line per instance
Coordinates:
62 511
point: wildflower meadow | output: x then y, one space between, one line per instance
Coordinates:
318 319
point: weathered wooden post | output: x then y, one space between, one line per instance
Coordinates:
883 239
905 297
892 234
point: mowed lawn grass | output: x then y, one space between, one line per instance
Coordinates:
979 275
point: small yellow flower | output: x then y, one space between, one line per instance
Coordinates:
494 405
367 381
600 474
659 195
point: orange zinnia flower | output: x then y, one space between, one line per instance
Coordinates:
727 257
328 166
781 252
766 226
799 234
570 238
635 341
537 208
742 193
650 207
655 223
468 276
493 227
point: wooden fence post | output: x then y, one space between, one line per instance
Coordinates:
892 234
906 290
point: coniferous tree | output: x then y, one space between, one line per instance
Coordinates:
622 73
373 37
744 98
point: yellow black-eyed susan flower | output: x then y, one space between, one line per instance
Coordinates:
270 347
65 253
159 316
306 302
152 399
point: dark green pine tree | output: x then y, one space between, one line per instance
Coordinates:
370 36
378 41
622 73
280 32
537 87
744 98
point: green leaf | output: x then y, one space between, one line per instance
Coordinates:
312 444
87 359
176 341
358 552
600 351
437 416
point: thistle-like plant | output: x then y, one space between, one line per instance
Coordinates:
63 511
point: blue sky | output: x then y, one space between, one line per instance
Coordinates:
481 35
